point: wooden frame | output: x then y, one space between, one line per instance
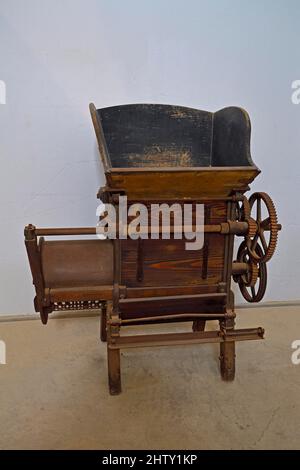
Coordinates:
141 282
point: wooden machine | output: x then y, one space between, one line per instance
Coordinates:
165 154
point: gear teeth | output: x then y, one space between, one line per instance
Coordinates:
257 275
252 227
254 269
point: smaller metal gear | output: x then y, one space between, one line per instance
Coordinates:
251 276
252 283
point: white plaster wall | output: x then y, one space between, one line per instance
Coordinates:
58 55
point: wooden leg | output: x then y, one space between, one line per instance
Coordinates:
103 333
114 371
113 355
227 353
199 325
227 360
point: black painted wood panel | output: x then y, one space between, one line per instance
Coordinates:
148 135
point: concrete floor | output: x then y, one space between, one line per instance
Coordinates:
54 391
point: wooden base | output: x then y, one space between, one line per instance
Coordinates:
227 336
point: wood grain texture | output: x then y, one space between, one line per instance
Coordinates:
180 183
157 307
167 262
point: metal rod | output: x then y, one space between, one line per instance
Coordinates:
66 231
208 228
240 268
144 230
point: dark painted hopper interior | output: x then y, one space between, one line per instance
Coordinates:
156 135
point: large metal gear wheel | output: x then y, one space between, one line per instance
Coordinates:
268 224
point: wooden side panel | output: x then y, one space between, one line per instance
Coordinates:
231 138
217 209
168 263
140 309
181 184
157 135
